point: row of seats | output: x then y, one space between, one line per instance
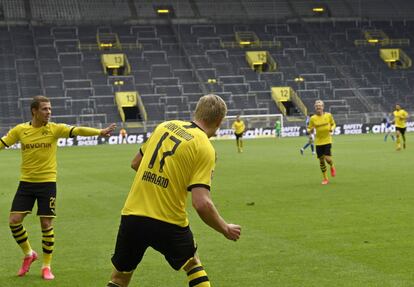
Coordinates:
172 76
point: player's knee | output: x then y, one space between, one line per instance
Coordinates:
45 222
192 263
16 218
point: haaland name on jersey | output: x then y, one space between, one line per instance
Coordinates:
179 131
156 179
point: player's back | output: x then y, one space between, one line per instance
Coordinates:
177 156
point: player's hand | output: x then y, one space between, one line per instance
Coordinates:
106 132
232 232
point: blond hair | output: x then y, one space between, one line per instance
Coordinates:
36 102
210 108
319 102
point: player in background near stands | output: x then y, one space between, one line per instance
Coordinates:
311 138
123 135
278 129
178 159
239 128
324 125
400 121
388 124
38 139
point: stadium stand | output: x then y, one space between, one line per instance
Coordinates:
174 62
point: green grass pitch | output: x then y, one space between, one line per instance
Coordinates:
356 231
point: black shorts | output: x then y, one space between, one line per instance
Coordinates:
28 192
137 233
238 136
322 150
401 130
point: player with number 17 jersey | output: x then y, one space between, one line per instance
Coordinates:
161 185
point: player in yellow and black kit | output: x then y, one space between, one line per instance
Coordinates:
239 127
400 121
324 125
177 159
38 140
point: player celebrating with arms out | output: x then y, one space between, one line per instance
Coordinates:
324 125
400 121
38 139
178 159
239 127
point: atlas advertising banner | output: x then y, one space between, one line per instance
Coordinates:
289 131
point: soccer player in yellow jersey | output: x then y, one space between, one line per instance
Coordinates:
239 127
400 121
324 125
178 159
38 139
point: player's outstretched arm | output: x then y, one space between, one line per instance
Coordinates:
86 131
207 211
107 131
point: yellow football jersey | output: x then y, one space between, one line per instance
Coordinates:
400 118
323 125
238 127
38 147
177 157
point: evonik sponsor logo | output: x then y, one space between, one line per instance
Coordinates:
36 145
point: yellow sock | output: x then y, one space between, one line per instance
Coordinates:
21 237
323 169
48 243
197 277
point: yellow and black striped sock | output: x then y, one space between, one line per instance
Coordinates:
21 237
323 169
48 243
197 277
331 164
